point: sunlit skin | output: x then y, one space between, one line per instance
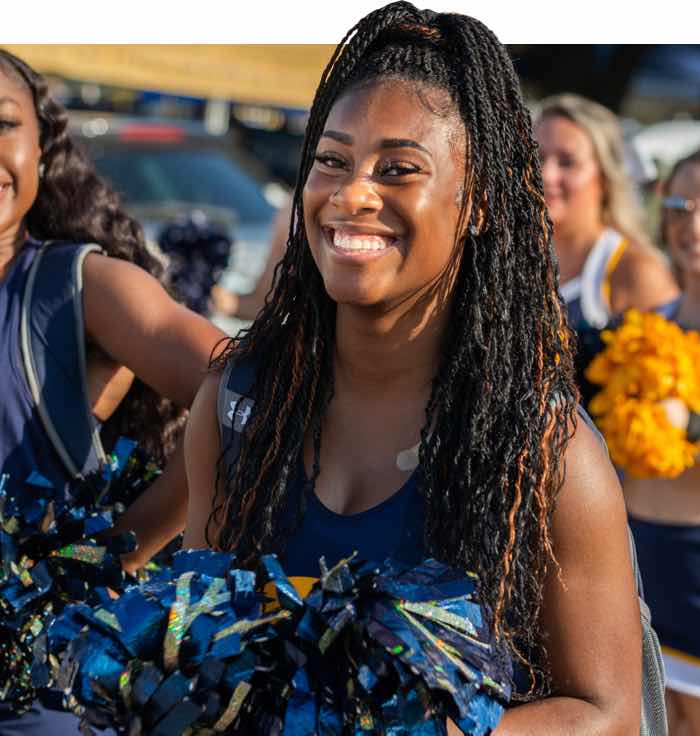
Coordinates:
132 326
677 501
683 234
386 171
392 309
376 175
574 189
20 155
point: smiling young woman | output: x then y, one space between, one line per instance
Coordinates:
412 388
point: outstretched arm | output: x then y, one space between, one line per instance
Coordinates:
136 323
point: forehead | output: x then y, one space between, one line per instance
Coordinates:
13 92
686 182
397 109
560 132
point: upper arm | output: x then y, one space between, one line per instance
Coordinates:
591 616
132 318
202 450
642 281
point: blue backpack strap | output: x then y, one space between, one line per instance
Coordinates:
235 405
52 342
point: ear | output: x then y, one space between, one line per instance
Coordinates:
481 211
479 226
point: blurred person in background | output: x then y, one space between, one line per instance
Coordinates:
246 306
139 344
607 263
665 513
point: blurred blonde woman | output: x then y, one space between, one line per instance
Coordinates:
606 262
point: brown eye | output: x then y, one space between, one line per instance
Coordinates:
331 162
8 124
398 168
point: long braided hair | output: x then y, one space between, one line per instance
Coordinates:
503 400
74 203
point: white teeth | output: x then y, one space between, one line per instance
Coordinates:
360 242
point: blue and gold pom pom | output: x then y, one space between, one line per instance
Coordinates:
55 549
199 650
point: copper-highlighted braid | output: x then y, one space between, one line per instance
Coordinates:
503 401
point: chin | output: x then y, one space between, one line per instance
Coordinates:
356 292
353 298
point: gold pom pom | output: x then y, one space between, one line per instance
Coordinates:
646 359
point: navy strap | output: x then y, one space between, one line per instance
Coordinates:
52 342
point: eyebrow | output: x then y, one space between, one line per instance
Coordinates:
347 140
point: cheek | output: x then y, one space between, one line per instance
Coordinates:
315 194
25 161
584 182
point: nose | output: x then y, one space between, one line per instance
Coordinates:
356 195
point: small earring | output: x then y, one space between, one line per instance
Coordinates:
473 230
42 169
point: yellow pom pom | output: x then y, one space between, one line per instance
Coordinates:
646 359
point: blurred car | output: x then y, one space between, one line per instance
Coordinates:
659 146
169 170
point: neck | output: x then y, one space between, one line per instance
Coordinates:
689 310
10 245
394 351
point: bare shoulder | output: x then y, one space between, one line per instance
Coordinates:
593 656
643 280
590 505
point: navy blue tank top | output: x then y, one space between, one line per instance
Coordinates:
391 529
24 445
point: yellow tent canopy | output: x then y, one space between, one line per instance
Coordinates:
284 75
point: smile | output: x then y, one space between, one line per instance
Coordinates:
356 243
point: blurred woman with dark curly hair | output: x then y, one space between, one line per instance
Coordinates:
131 343
411 388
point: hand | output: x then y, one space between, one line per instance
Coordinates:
223 300
677 412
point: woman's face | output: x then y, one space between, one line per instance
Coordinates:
682 228
19 155
573 187
382 201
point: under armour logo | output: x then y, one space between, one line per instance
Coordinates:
243 414
239 412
